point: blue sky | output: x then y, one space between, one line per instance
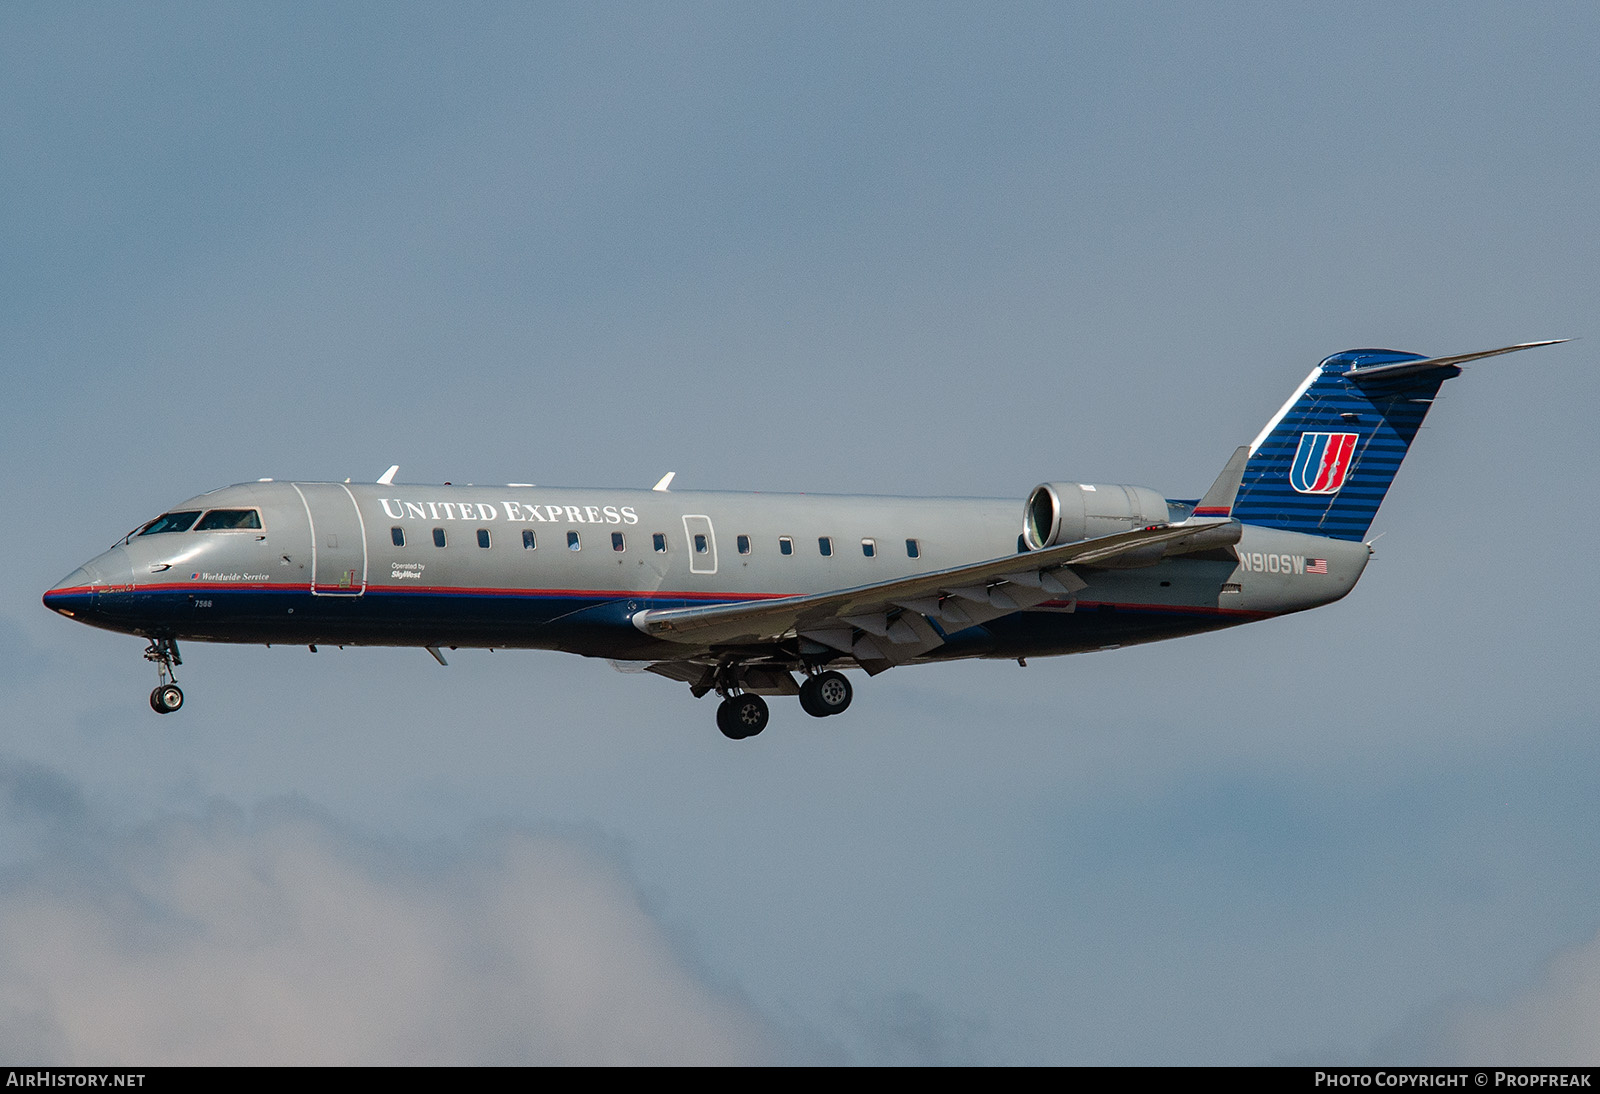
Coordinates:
920 249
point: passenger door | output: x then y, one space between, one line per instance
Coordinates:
338 539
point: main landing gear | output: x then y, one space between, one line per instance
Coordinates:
829 693
168 696
742 714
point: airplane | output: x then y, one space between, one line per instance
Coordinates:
751 595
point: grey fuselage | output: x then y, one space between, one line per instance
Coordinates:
325 567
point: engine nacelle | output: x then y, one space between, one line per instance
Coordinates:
1065 512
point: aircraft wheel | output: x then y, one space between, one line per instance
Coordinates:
742 716
808 698
827 694
166 698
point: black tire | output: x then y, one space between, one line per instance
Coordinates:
742 716
166 698
730 728
831 693
808 699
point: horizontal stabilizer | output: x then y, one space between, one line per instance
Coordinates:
1409 368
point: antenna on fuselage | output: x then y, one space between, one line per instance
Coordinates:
666 481
387 478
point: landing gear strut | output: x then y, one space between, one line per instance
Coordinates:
168 696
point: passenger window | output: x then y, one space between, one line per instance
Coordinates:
528 540
744 545
617 542
913 549
221 520
701 546
659 541
572 542
825 545
170 522
398 535
438 537
483 537
785 545
869 547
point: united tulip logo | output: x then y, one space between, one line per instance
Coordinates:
1322 462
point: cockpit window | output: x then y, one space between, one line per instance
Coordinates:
170 522
221 520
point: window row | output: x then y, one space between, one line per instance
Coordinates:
658 542
869 547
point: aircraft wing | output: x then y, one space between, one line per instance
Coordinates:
883 624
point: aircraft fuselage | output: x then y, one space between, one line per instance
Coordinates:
567 569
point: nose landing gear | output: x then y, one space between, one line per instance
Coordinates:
168 696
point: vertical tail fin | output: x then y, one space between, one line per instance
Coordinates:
1323 464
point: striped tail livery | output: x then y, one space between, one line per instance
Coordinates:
1323 464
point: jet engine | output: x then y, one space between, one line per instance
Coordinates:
1065 512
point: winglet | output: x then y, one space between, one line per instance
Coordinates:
387 478
1218 501
666 481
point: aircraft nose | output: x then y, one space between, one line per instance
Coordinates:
73 593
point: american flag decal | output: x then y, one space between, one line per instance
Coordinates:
1316 565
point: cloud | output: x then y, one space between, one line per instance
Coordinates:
1553 1022
285 937
906 1028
